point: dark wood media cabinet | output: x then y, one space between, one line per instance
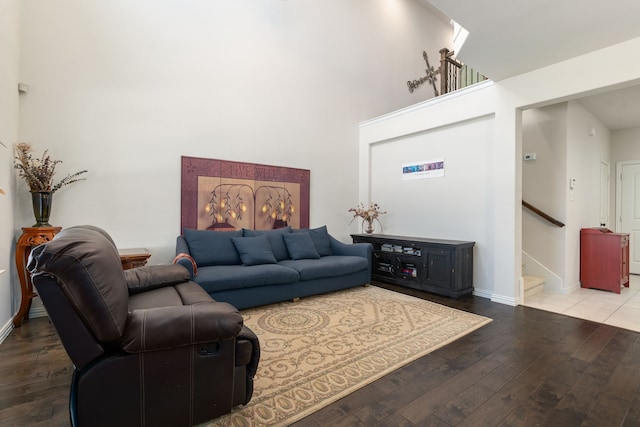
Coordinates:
444 267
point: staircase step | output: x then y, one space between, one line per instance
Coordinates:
533 285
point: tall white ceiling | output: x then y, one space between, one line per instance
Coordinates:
508 37
511 37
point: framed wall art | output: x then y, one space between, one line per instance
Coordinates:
223 195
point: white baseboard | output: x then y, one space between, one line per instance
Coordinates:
482 293
571 288
36 311
6 330
502 299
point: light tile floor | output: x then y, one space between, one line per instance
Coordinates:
621 310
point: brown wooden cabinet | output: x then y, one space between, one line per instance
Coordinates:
132 258
30 238
443 267
604 259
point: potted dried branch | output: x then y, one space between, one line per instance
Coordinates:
39 172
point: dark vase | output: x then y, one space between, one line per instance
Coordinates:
41 201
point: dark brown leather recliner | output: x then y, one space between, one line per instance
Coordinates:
149 347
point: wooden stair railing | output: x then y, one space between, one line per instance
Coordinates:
454 74
449 69
542 214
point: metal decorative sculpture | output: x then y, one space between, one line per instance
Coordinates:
430 77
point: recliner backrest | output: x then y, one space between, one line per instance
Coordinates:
87 268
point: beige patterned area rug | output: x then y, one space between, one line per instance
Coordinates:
321 348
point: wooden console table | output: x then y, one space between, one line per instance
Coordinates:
444 267
31 237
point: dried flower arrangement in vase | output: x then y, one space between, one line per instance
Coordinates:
368 215
38 172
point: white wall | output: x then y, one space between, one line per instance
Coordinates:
625 146
569 143
625 151
505 100
433 207
544 132
588 143
9 55
459 206
124 89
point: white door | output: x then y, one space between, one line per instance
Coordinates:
629 218
604 194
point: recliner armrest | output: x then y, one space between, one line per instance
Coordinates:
168 327
148 277
248 335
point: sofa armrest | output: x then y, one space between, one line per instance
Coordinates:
188 263
357 249
162 328
183 257
148 277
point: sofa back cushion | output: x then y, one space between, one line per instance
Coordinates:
254 250
300 246
320 237
278 247
208 247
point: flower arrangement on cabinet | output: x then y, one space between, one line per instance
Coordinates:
368 215
38 172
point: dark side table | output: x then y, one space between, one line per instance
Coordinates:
31 237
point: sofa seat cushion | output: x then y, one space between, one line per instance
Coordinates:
224 277
327 266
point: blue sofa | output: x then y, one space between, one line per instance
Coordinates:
248 268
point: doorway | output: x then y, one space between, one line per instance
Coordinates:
628 206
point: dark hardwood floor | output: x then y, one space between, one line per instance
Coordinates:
526 368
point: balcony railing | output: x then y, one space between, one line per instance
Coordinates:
454 74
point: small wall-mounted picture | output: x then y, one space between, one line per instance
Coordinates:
422 170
